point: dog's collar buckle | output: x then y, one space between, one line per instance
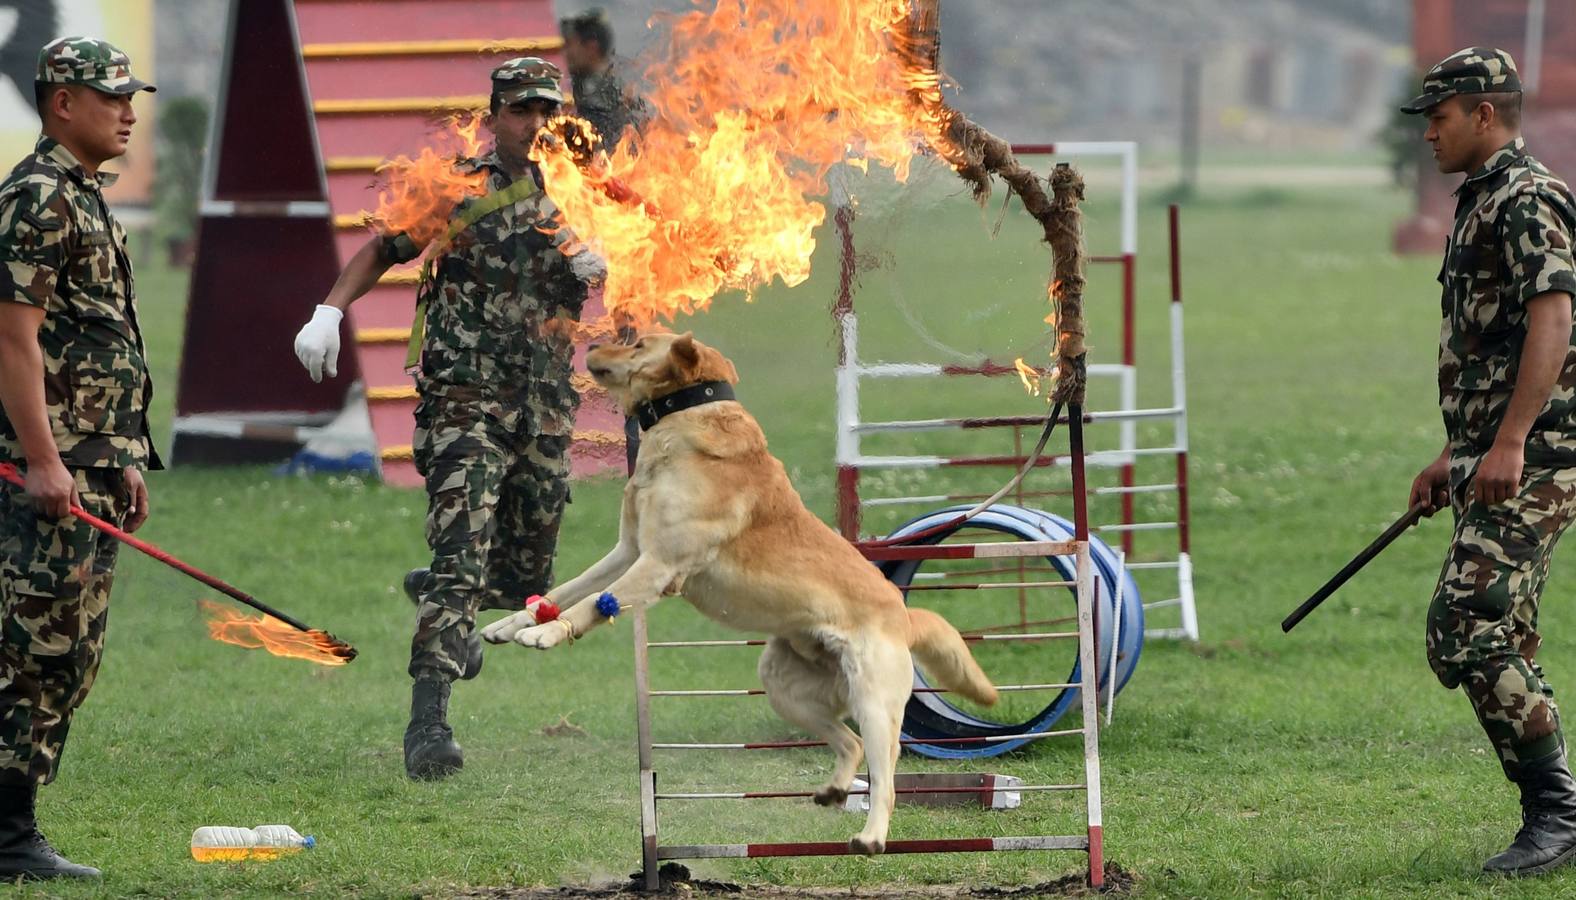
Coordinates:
650 412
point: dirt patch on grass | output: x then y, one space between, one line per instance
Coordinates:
677 882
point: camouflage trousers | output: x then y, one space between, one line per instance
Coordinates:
495 498
1483 621
55 577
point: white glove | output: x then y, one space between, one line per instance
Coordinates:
588 267
317 343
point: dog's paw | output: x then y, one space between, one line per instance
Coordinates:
542 637
867 846
831 795
504 630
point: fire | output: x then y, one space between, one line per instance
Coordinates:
1030 378
421 193
756 101
278 638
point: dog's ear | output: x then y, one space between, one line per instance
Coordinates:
719 368
694 362
685 355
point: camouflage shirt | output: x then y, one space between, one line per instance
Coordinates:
1511 241
501 302
602 100
62 251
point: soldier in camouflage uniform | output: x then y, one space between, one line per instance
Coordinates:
1507 391
496 414
602 98
74 393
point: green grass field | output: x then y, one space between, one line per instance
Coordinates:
1325 763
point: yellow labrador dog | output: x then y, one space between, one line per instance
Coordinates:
709 513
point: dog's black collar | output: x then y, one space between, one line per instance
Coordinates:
649 412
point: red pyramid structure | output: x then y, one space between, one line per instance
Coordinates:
315 95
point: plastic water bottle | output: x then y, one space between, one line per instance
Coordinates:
222 843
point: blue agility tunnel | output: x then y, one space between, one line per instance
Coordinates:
930 716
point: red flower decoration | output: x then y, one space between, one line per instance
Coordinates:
544 611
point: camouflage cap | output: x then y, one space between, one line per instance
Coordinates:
90 61
1475 70
526 78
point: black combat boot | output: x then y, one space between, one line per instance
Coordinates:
430 751
473 644
24 853
1548 818
413 580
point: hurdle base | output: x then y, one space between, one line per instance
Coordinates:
840 848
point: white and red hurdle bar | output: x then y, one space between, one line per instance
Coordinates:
653 852
851 461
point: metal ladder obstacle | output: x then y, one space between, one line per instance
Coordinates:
852 461
654 852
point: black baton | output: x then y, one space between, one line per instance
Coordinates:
1353 567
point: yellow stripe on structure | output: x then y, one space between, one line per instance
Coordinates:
466 103
382 335
585 384
353 163
615 438
581 383
431 48
405 452
406 392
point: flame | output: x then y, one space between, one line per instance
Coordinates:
278 638
421 193
1030 378
755 102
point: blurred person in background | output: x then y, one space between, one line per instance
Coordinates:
602 97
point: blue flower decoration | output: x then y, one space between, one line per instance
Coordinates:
607 605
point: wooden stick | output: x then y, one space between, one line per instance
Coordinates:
1352 568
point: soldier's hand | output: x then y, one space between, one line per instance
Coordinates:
52 488
317 343
1430 487
589 267
1499 474
135 493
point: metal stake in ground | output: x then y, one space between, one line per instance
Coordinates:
10 473
1352 568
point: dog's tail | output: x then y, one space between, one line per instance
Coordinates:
944 656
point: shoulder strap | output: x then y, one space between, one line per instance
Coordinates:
522 187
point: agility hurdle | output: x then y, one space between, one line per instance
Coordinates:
1067 291
851 461
654 852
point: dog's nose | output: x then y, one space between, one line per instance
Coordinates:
590 347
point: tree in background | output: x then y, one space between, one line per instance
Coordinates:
177 188
1402 136
34 23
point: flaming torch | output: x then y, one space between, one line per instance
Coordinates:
277 637
276 632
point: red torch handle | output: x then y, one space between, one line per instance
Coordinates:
10 473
